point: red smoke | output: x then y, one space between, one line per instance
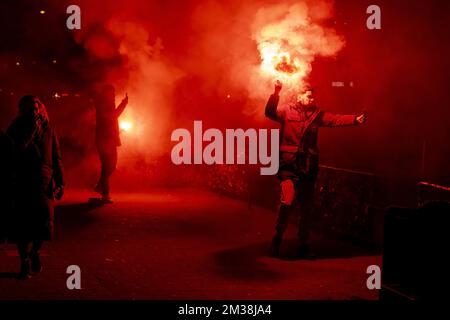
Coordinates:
206 62
181 61
290 37
233 48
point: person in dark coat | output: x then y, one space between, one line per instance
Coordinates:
107 137
299 159
38 181
6 184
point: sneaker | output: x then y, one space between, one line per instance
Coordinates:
275 246
36 265
303 253
25 270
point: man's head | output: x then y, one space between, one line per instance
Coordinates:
306 97
29 106
109 93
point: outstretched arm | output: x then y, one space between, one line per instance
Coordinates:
271 110
122 106
328 119
58 172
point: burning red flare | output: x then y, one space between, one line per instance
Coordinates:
289 38
286 66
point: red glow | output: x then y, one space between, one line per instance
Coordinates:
125 125
288 43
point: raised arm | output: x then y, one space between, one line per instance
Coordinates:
122 106
272 111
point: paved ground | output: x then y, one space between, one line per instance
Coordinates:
181 244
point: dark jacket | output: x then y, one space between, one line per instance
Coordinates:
107 123
6 184
299 134
38 171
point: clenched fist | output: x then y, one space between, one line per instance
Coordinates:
278 86
125 100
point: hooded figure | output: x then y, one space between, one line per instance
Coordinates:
107 137
38 179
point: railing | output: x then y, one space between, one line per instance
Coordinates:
436 192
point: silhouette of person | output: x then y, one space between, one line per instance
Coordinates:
6 183
38 180
107 137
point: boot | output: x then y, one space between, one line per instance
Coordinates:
106 199
98 188
275 246
304 253
36 265
25 269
